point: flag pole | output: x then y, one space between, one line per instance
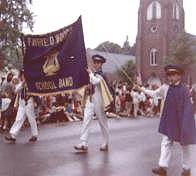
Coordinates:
120 67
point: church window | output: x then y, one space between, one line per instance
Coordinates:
153 29
176 11
154 11
153 57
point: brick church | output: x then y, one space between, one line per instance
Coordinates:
159 23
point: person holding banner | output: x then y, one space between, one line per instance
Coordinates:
98 99
25 109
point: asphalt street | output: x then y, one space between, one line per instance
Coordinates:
134 149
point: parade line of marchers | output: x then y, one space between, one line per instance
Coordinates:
50 85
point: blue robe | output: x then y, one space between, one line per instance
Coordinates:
177 120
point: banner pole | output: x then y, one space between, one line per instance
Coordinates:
120 67
22 40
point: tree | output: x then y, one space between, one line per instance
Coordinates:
109 47
14 15
126 46
115 48
128 72
126 43
183 51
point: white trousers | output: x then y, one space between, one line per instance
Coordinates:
25 111
135 109
89 112
166 150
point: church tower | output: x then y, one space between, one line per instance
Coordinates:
159 23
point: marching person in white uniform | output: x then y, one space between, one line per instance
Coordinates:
25 110
95 104
136 100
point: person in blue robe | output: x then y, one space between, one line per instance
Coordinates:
177 122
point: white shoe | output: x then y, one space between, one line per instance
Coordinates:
104 147
81 147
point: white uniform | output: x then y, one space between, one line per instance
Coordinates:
96 106
24 111
5 103
166 144
136 100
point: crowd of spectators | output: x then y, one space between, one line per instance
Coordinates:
128 102
132 103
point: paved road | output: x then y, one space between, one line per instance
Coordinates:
134 150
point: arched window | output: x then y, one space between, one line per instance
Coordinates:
154 11
153 57
176 11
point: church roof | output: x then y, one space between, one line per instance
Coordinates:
113 61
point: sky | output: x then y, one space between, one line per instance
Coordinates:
103 20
